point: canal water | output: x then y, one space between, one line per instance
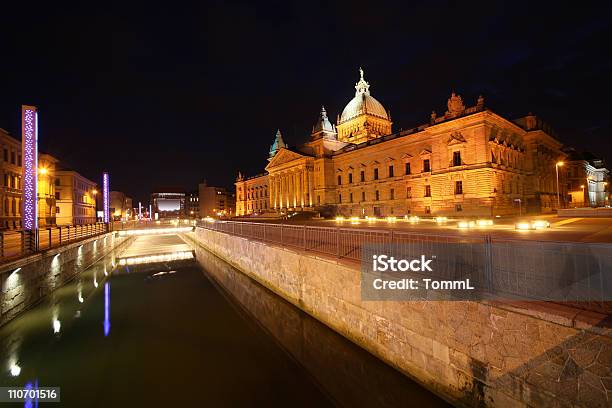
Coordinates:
162 323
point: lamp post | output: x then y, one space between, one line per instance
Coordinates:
557 165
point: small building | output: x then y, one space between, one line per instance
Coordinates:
193 204
120 206
215 201
168 202
587 180
75 198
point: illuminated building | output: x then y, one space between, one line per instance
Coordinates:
467 161
168 202
11 184
75 198
47 209
587 180
215 201
252 195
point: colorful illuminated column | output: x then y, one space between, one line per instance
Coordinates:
29 153
105 197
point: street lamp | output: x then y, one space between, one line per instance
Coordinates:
583 200
557 165
94 192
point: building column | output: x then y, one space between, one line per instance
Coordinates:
310 176
301 187
306 186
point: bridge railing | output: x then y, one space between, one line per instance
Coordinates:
17 243
148 224
569 272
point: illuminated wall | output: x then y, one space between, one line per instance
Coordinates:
29 125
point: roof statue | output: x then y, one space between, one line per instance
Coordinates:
362 86
278 144
455 105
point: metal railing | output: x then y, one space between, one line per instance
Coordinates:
148 224
511 268
15 244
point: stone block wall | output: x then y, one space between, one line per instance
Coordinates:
26 281
471 353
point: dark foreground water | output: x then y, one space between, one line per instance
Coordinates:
188 333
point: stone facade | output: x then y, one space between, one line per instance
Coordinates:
252 196
10 185
75 198
471 353
468 161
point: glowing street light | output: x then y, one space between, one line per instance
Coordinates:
43 171
557 165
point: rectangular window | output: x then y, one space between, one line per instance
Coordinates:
363 196
5 155
408 192
351 197
362 176
458 207
428 191
339 180
456 158
319 200
427 210
57 210
392 194
375 174
391 171
350 178
339 198
407 168
458 187
377 195
19 160
12 157
426 166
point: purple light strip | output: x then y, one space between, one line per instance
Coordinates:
107 324
30 167
105 187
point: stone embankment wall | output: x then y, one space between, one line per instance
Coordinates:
27 280
471 353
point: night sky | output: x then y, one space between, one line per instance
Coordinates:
176 94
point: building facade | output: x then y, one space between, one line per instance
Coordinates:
193 204
215 201
75 198
11 188
252 195
468 161
120 205
587 180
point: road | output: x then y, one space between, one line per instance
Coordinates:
562 229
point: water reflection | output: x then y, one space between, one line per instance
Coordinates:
158 258
106 309
170 311
351 375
